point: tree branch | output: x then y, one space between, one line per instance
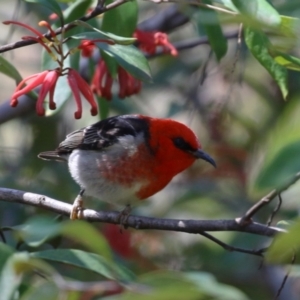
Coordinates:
137 222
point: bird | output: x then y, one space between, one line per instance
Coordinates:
125 159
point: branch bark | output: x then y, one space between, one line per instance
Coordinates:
137 222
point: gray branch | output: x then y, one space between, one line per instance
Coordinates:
137 222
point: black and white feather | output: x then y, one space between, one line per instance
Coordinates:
99 136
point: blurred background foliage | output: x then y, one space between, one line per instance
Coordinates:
242 119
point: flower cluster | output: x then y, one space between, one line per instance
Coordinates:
149 41
102 81
47 79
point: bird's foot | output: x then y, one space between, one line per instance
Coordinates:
124 215
77 208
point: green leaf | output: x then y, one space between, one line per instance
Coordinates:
212 288
161 285
281 155
87 235
85 260
227 4
103 107
51 4
286 60
281 169
209 19
110 61
289 26
258 10
15 267
8 69
130 58
91 35
121 20
76 10
9 278
99 34
5 253
36 231
42 290
285 246
259 45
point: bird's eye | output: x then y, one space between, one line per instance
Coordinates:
180 143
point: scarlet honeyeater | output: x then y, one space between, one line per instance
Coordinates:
125 159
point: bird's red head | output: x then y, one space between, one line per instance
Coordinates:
173 144
175 147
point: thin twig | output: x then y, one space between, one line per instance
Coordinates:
274 212
227 247
285 278
266 200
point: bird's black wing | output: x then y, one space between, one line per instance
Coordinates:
99 135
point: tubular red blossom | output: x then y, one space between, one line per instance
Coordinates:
106 88
95 84
137 86
39 78
87 48
162 40
48 85
25 26
102 81
52 104
86 91
150 40
75 90
128 84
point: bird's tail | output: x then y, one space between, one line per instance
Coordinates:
52 155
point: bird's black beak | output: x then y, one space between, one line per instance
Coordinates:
202 155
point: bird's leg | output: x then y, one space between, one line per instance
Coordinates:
77 208
124 215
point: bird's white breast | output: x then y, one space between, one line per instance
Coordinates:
89 167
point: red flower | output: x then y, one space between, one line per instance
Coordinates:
78 84
102 82
149 41
128 84
87 48
48 81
